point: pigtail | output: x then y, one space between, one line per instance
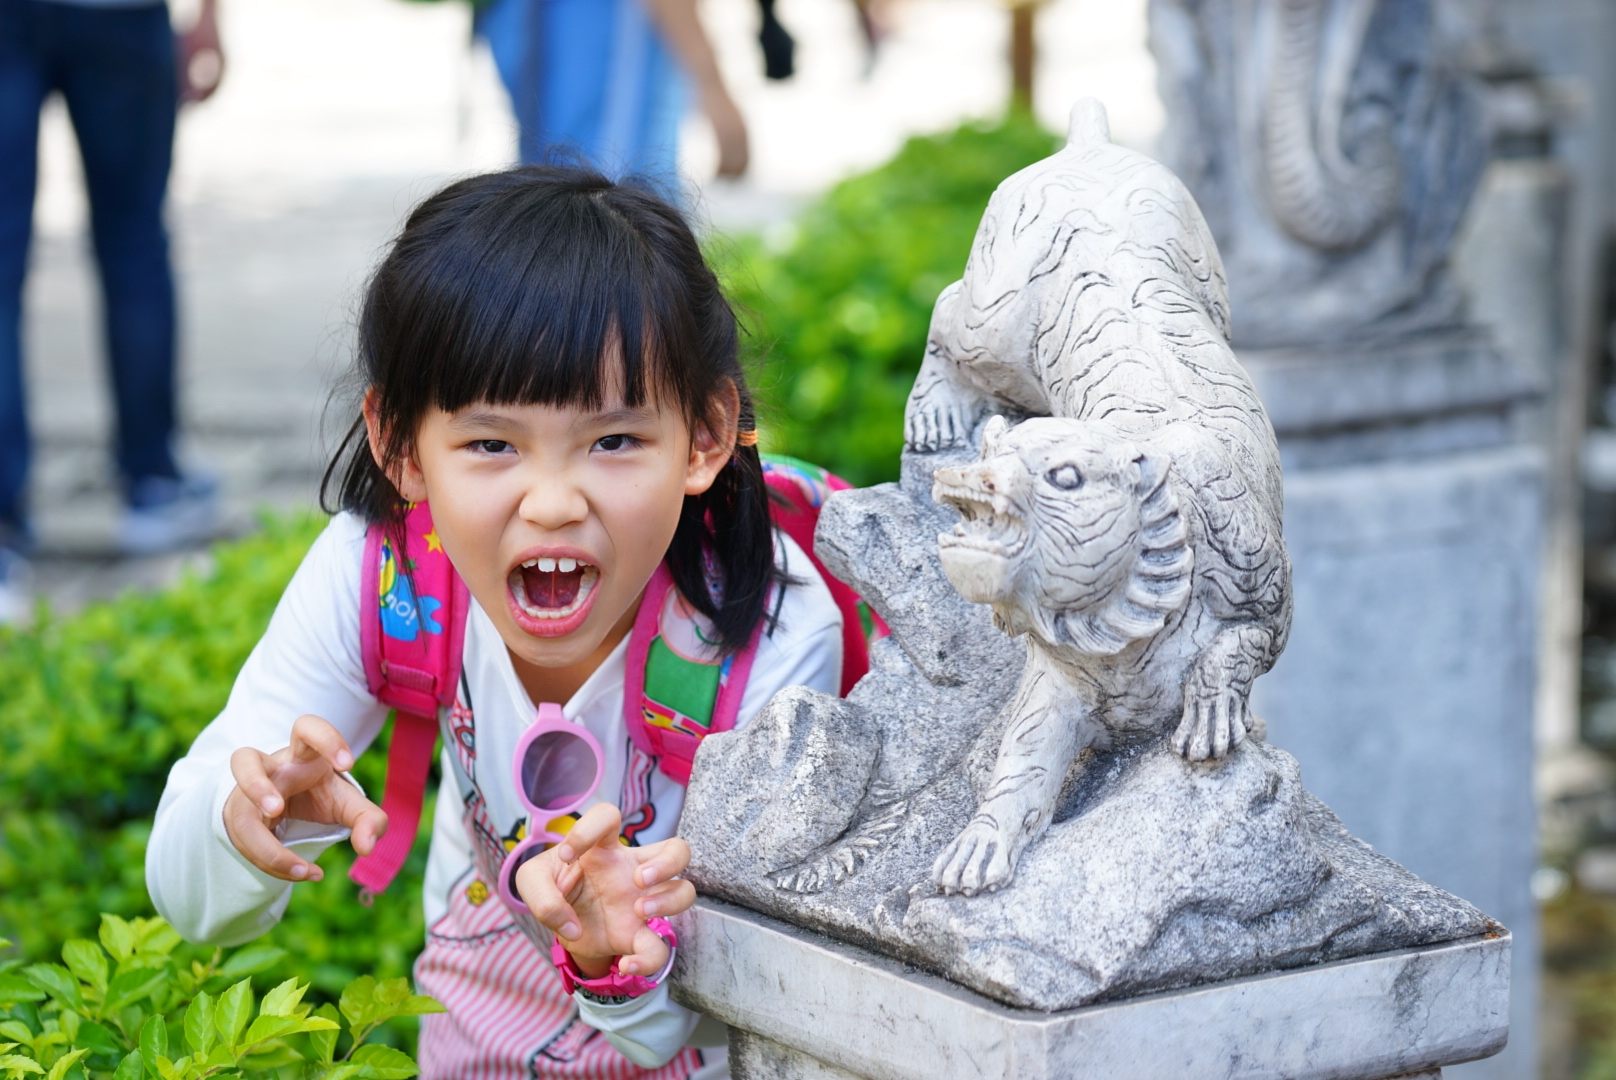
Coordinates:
725 544
354 482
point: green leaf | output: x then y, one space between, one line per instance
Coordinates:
16 1029
235 1009
324 1041
284 999
64 1063
86 960
130 1068
17 1065
390 992
134 985
253 960
15 988
271 1058
358 1002
98 1038
153 1042
199 1023
58 982
417 1005
156 937
278 1027
118 937
383 1063
172 1070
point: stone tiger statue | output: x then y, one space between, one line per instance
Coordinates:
1131 529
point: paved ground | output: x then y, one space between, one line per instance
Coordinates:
334 119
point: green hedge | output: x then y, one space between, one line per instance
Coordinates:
838 305
98 705
133 1005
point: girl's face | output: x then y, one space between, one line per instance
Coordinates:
557 517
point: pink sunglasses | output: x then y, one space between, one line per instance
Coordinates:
558 766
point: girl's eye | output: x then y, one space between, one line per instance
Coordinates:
612 443
491 446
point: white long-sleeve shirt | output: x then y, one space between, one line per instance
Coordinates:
309 661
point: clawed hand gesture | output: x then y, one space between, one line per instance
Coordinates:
303 781
595 893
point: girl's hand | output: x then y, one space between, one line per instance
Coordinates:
595 894
302 781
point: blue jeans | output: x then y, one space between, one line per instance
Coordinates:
590 77
115 68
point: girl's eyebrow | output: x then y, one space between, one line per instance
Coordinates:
483 419
621 414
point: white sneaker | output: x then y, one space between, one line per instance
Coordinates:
166 514
16 592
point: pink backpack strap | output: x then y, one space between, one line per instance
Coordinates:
412 627
803 489
676 749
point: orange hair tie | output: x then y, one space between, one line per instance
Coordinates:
746 438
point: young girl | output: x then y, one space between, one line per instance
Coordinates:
552 368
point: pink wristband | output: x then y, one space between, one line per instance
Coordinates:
613 983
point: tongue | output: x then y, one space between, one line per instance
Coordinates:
552 589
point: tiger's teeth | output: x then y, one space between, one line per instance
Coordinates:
547 566
566 566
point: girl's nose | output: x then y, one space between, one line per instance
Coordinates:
553 502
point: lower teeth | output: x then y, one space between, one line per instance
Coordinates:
518 587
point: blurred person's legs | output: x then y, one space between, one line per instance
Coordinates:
24 82
117 77
592 77
120 84
114 66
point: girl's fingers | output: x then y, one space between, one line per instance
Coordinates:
600 823
536 885
661 861
247 830
569 879
251 769
649 956
349 807
315 739
669 898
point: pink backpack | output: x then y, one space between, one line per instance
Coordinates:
412 623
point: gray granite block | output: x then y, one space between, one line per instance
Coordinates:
854 1013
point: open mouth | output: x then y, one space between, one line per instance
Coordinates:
987 523
551 595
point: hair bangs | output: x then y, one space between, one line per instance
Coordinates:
546 305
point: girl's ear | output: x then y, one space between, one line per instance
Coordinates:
713 441
404 473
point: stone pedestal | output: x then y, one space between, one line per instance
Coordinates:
803 1007
1413 510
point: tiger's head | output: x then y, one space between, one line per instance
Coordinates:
1070 531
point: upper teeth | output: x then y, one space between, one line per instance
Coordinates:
547 566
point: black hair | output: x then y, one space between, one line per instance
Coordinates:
529 286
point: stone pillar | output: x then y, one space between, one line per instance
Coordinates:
1335 150
1412 514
